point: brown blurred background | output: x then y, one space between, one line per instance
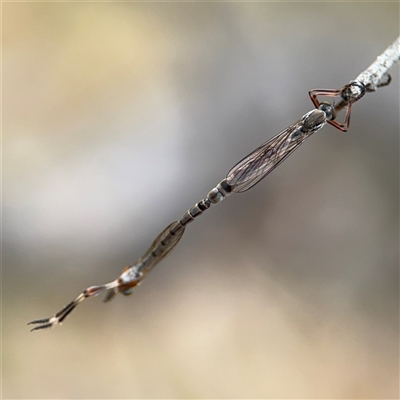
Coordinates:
119 117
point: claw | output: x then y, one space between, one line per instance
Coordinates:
45 323
39 321
59 317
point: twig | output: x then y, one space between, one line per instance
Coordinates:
373 77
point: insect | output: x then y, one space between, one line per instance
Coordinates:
243 176
348 95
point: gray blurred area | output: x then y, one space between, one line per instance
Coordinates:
119 117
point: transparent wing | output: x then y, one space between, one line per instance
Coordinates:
163 244
260 162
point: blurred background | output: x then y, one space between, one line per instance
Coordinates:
118 117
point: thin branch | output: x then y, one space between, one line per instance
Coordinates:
374 76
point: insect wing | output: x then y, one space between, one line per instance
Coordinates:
260 162
163 244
